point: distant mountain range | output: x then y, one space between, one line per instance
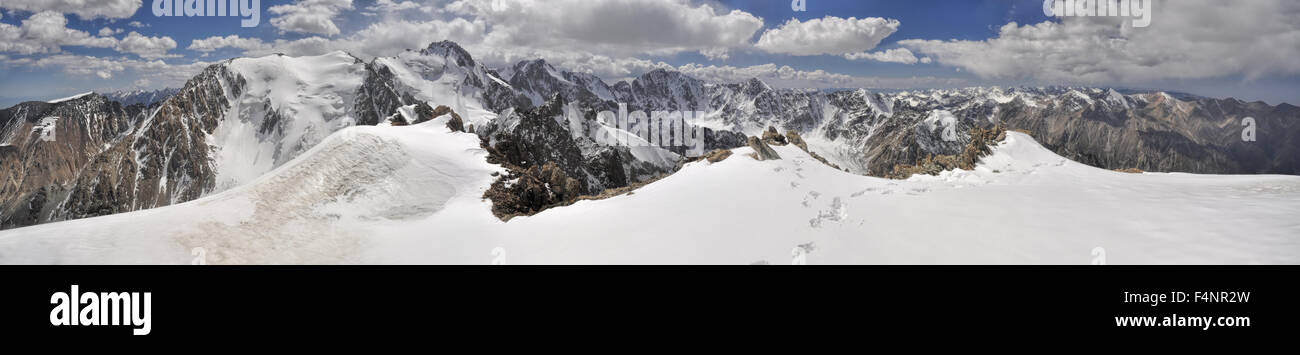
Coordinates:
141 96
97 155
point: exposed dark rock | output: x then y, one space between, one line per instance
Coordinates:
771 137
717 155
979 146
761 150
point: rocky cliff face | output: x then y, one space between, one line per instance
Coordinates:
44 146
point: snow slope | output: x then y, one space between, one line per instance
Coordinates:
310 210
411 195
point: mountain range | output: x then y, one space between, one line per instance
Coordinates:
238 120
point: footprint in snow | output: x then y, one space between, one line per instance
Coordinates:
813 194
863 192
794 184
837 212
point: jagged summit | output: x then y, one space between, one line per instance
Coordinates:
450 49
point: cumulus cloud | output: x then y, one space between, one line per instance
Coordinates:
828 35
232 41
47 32
84 9
896 55
309 16
620 27
716 53
1188 39
388 38
146 47
393 6
596 37
106 32
147 71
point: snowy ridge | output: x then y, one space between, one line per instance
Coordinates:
309 210
412 195
69 98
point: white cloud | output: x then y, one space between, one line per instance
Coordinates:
146 47
314 45
617 28
772 73
309 16
232 41
84 9
81 65
715 53
47 32
896 55
392 6
106 32
144 71
1187 39
389 38
383 38
828 35
137 24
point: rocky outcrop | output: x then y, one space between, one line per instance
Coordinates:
524 192
772 137
717 155
762 151
979 146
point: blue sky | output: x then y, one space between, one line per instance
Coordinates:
1197 46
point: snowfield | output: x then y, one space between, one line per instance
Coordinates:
310 93
383 195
